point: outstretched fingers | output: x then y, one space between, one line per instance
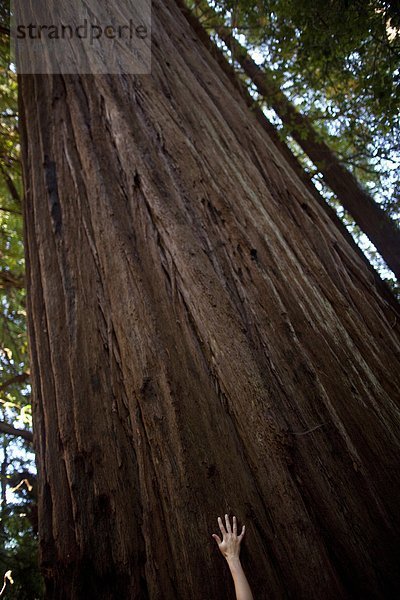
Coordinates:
227 530
241 536
221 526
228 524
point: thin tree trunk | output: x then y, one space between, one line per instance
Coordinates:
10 430
368 215
10 186
203 340
10 280
3 486
20 378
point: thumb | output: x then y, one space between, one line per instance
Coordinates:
217 539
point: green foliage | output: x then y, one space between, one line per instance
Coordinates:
13 338
18 528
18 534
339 63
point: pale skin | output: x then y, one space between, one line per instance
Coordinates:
229 546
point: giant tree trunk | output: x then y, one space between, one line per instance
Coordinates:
203 340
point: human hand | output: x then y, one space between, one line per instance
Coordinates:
230 543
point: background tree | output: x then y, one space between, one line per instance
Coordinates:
339 66
368 214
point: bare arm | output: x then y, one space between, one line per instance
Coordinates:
230 549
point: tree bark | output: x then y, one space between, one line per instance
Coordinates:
369 216
203 340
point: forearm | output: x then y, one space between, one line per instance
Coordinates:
242 588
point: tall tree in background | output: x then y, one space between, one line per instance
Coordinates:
392 232
369 215
331 73
338 62
202 340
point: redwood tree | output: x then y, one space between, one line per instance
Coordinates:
203 340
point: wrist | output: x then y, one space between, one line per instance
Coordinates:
233 562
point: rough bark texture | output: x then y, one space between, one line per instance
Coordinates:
203 340
368 215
